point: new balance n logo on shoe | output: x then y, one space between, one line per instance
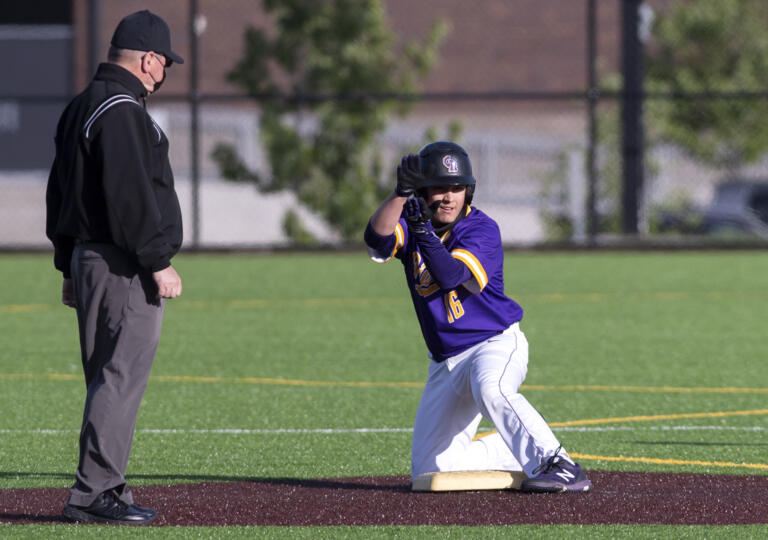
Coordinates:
557 475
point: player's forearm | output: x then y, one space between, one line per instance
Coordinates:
447 271
385 218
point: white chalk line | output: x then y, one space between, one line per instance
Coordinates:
337 431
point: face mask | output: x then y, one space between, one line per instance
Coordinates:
159 83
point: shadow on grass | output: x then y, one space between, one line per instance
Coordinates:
371 483
394 484
33 518
22 474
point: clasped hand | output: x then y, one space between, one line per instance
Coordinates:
418 215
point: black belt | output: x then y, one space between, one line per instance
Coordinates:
78 241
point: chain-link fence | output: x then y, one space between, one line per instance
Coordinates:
520 79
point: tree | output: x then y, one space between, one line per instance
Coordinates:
323 77
706 46
698 47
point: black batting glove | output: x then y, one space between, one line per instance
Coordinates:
418 216
409 177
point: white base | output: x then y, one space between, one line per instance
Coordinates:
468 480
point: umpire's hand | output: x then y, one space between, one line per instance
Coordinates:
68 293
168 283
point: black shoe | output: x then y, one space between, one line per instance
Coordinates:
108 508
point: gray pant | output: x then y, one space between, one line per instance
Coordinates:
120 321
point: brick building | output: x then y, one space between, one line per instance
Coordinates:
496 53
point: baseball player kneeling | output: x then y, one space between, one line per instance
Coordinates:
453 261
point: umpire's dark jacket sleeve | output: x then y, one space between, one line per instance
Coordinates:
131 154
62 244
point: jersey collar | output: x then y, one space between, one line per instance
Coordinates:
112 72
446 229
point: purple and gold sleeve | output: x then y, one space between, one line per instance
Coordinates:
480 250
448 272
383 248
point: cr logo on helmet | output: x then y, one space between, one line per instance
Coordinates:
451 164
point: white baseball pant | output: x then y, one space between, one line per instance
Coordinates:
480 382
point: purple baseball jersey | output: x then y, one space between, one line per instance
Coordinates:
454 320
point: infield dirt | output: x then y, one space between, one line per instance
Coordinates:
616 498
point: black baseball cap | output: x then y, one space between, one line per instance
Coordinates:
145 31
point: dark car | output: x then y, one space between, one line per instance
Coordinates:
738 208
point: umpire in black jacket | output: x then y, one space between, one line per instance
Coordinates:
114 219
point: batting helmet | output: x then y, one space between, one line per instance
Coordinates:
445 163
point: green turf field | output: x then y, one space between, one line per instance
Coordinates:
310 365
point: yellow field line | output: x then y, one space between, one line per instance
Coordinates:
659 461
402 384
665 389
44 376
719 414
229 304
584 422
267 302
593 421
240 380
25 308
645 418
284 382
